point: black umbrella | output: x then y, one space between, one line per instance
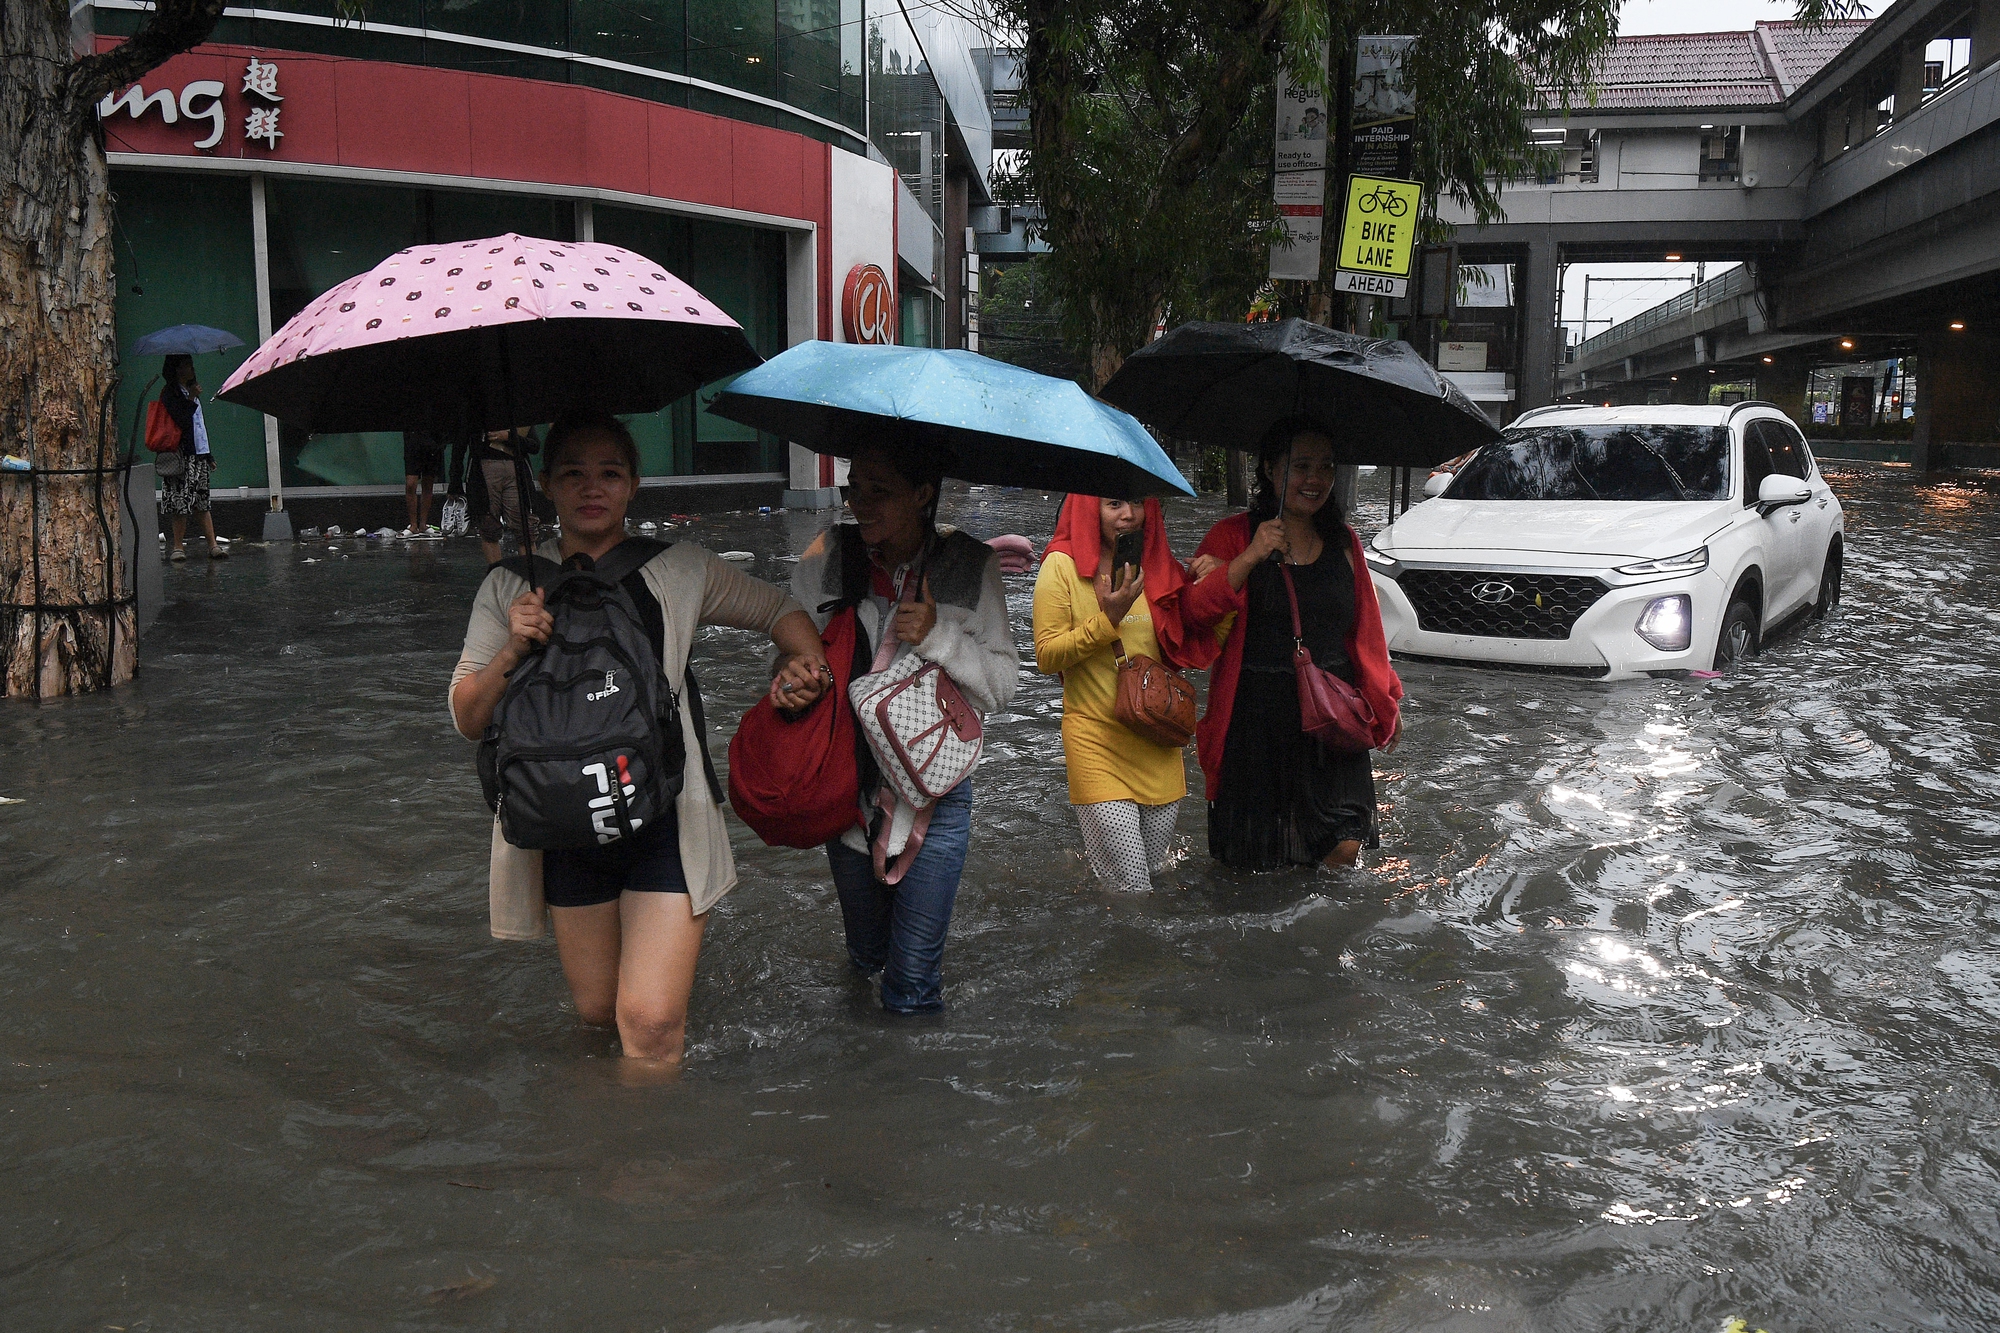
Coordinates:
1227 384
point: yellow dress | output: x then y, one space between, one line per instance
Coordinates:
1073 636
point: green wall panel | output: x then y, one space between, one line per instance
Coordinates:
184 255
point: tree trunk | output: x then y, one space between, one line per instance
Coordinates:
66 621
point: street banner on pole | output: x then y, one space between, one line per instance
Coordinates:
1383 137
1301 200
1302 123
1378 235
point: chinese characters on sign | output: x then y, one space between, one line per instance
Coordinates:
202 100
261 80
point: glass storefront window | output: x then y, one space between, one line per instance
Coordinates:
183 254
522 21
664 438
741 269
809 55
734 43
906 120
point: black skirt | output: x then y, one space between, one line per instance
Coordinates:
1284 799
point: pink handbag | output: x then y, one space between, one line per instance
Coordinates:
1331 711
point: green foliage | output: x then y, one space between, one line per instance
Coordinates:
1020 320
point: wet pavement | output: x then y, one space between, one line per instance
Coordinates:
1664 1003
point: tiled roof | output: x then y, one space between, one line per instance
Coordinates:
1720 70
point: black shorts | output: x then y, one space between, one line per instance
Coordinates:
647 862
423 455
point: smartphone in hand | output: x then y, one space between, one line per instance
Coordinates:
1130 550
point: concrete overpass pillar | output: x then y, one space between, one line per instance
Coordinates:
1783 383
1958 394
1539 295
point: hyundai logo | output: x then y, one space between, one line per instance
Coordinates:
1493 592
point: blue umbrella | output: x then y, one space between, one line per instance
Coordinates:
985 420
185 340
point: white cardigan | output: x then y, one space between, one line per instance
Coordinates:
694 587
974 645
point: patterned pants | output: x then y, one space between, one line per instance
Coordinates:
1126 842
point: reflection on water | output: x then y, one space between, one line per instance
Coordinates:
1664 1003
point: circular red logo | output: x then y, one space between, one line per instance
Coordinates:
868 306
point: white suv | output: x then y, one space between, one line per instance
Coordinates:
1614 541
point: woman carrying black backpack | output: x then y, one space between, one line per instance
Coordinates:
629 913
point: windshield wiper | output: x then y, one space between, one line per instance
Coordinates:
1680 491
1582 480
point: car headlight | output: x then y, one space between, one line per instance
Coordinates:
1667 623
1687 562
1388 564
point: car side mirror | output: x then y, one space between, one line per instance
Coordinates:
1777 491
1435 483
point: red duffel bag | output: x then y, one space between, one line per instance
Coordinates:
796 781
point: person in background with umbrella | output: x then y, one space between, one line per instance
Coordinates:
1276 796
187 493
628 918
957 619
1125 787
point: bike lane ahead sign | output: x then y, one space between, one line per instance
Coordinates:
1378 236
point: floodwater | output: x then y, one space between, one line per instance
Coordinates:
1664 1004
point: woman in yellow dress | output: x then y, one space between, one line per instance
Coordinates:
1126 788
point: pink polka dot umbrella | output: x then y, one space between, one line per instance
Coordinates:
508 331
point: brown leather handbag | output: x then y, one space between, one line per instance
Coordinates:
1153 700
1331 711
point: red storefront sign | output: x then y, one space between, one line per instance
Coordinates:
868 306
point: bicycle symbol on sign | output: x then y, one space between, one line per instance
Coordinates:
1385 199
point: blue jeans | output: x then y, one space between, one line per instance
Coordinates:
898 930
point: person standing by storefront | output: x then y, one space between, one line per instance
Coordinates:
955 616
1277 797
423 464
1090 610
497 457
187 492
629 917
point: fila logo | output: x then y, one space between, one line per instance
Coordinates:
603 812
610 688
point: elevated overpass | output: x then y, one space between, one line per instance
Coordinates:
1854 171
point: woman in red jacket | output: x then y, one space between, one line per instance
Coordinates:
1276 796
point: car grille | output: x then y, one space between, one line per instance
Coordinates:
1513 606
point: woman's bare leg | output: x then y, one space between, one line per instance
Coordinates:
208 530
661 942
180 526
587 939
1344 854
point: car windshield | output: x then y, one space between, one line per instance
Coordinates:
1626 461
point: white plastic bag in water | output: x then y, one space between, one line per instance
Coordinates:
453 518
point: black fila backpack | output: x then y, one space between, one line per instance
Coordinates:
585 746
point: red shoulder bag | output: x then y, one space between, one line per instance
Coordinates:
1331 711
